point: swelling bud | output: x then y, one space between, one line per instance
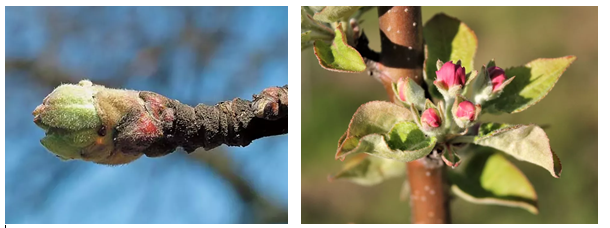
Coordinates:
409 92
430 118
497 76
466 111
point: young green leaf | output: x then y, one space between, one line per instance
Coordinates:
404 143
312 30
332 14
489 178
525 142
447 39
364 169
306 40
533 82
375 117
338 56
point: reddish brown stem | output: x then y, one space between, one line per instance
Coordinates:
402 55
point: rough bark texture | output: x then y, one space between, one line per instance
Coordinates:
234 123
402 55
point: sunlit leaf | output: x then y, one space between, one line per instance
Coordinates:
525 142
405 142
533 82
338 55
364 169
489 178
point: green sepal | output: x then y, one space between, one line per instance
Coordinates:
450 157
470 76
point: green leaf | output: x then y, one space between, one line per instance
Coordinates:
405 142
312 30
338 56
376 117
306 40
364 169
332 14
407 136
532 83
525 142
489 178
447 39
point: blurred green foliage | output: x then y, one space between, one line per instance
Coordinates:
511 35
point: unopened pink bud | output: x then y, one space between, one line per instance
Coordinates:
400 86
497 76
466 110
430 118
451 74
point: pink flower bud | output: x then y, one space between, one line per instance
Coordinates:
430 118
400 86
451 75
466 110
497 76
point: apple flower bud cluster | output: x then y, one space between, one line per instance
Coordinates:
455 112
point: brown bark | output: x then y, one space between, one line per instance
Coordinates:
164 124
402 55
402 45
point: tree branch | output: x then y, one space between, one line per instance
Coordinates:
115 126
402 55
233 123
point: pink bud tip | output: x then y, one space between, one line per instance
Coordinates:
430 117
466 110
400 85
451 74
497 76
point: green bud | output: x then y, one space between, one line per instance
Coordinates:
70 119
80 119
69 107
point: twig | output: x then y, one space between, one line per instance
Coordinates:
234 123
402 55
114 126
